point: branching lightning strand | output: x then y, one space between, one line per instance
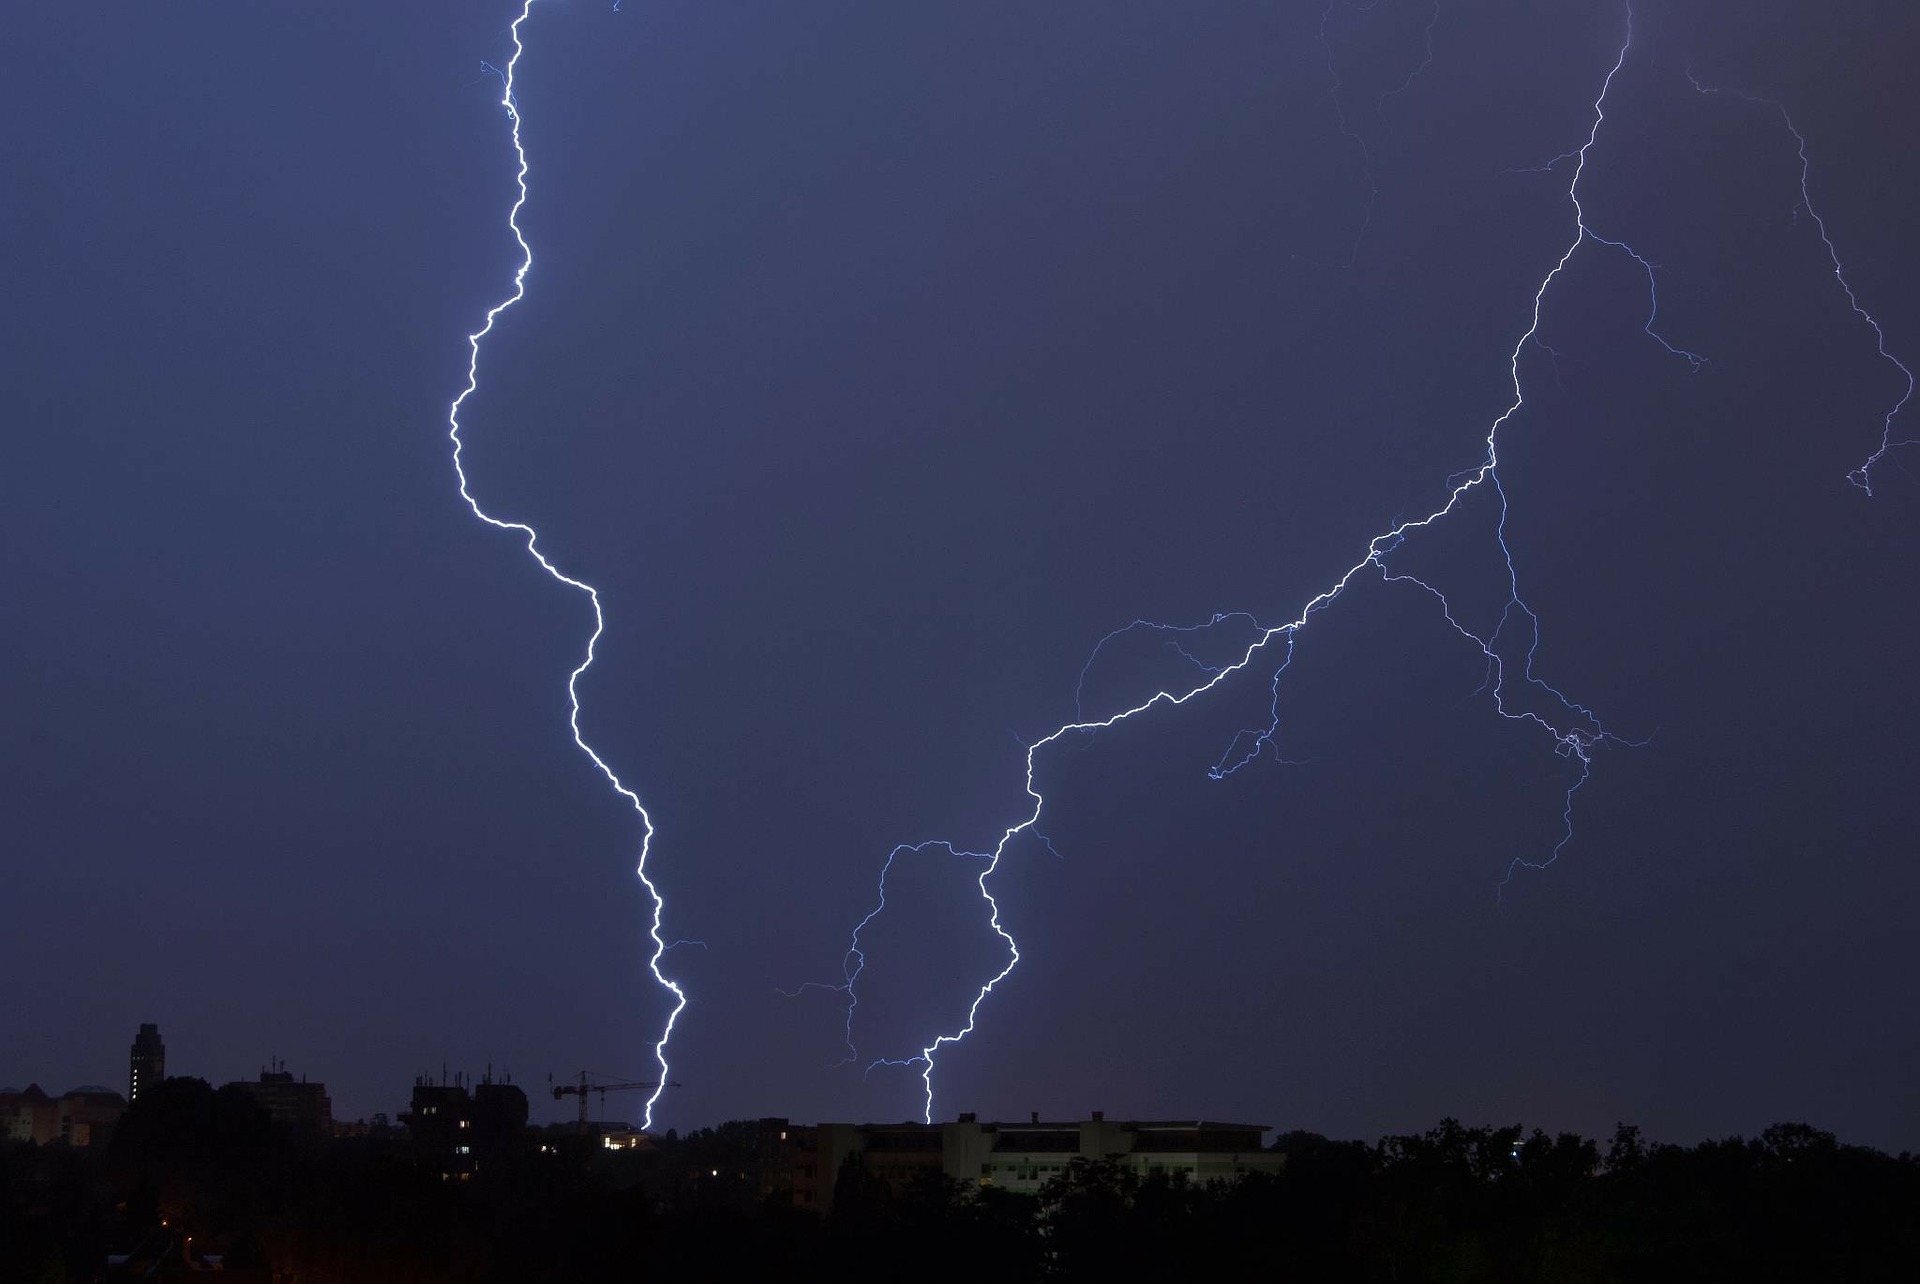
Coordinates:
1348 130
1574 730
1863 475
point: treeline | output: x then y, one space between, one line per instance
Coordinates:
1451 1204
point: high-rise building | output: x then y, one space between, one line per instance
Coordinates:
149 1060
458 1125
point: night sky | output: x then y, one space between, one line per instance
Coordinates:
877 360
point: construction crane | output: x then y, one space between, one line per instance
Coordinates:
581 1089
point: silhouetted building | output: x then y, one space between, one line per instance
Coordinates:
88 1114
499 1116
457 1129
83 1117
304 1107
1019 1157
377 1128
148 1061
439 1118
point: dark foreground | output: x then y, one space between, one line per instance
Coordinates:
1453 1204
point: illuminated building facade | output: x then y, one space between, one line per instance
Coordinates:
806 1161
83 1117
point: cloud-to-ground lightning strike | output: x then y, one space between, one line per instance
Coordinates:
660 943
1509 648
1863 475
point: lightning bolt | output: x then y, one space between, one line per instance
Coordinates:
1518 694
1863 475
660 943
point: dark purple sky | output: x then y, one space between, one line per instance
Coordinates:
877 360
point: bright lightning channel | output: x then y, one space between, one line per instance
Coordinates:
1573 730
660 943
